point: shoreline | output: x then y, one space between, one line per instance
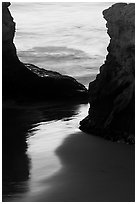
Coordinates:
93 170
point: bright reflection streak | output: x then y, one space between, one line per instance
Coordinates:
43 140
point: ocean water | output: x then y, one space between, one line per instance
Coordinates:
69 37
45 155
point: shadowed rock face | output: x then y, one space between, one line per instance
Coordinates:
111 95
28 81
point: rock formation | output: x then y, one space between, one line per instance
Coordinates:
28 81
111 94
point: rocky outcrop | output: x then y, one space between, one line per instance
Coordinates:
111 95
28 81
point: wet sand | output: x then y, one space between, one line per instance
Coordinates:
91 169
30 135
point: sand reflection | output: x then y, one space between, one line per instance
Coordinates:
68 165
31 135
43 141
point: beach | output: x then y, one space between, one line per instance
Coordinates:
45 156
56 162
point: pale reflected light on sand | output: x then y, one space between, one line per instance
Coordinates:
43 140
65 164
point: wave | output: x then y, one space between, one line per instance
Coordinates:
69 38
55 53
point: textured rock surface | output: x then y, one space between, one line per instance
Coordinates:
111 95
28 81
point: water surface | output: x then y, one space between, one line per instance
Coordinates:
70 37
31 134
45 156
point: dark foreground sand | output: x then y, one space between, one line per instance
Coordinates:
94 170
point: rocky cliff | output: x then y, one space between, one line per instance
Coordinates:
25 82
111 95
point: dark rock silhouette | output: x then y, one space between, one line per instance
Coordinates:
111 95
15 161
28 81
